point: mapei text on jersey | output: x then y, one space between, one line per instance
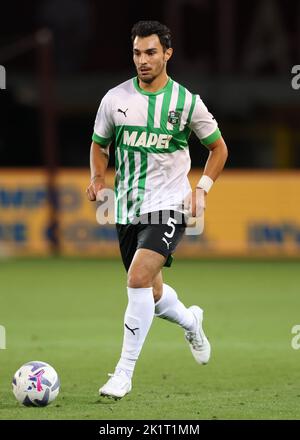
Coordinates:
146 140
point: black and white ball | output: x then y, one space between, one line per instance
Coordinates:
36 384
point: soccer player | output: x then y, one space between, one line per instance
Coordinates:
149 118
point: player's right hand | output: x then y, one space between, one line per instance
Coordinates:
95 186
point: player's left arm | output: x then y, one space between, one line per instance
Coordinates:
217 157
216 160
204 125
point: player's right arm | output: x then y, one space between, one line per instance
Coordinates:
99 157
99 154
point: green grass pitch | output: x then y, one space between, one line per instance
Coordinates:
69 313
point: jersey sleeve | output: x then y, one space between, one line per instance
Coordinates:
204 124
104 127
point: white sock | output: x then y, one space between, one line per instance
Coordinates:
170 308
137 322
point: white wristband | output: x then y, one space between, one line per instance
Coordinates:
205 183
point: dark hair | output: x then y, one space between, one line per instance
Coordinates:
147 27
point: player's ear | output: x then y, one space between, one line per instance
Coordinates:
168 54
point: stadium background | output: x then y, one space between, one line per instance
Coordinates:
60 59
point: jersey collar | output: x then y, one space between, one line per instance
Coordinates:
144 92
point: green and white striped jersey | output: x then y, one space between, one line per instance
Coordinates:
150 133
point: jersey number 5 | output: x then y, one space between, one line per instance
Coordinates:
171 222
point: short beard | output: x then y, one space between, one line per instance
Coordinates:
147 81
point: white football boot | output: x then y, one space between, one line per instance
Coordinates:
199 344
117 386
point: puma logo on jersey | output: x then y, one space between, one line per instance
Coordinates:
131 329
123 111
145 139
167 242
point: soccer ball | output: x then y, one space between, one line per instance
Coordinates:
36 384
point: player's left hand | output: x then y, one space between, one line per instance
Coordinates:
198 202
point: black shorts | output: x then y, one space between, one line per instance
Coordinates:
158 231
